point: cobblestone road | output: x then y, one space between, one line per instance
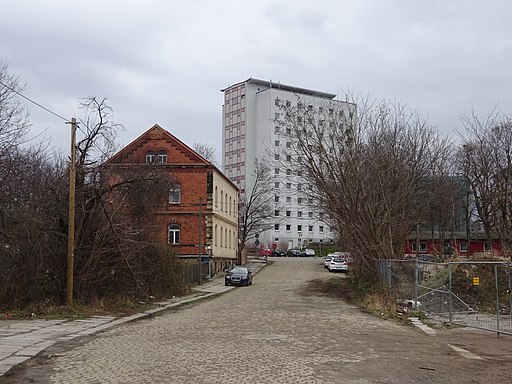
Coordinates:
266 333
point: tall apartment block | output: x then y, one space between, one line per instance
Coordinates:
251 110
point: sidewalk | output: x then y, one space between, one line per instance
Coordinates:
21 340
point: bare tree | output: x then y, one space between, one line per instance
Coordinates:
32 229
116 251
256 206
368 167
14 124
485 159
207 151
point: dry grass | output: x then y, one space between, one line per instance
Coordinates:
102 307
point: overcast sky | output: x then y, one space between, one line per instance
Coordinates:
165 62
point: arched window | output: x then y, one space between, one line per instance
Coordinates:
221 200
162 157
230 207
216 235
229 243
216 197
150 157
221 234
175 194
174 234
226 238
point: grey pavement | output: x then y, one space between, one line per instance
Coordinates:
21 340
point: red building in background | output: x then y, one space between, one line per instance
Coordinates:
452 244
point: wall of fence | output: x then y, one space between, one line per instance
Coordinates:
192 275
471 293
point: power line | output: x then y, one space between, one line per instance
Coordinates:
47 110
35 102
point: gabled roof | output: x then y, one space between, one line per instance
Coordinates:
157 132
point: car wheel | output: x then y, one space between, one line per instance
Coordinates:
226 283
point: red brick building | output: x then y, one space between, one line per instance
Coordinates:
200 215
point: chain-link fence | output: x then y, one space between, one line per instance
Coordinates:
470 293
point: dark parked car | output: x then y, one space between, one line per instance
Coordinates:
294 252
238 275
278 252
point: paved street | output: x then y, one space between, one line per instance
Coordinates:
21 340
269 332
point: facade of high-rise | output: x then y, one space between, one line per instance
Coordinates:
251 113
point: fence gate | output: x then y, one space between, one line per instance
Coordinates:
474 294
486 287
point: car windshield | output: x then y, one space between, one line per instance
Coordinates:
239 270
337 260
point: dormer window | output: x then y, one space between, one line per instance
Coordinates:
162 157
150 157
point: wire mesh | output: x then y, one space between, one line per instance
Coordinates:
471 293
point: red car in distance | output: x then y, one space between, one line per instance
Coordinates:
265 252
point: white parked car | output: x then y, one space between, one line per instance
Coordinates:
327 260
309 252
343 255
337 264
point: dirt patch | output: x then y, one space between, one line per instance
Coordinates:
374 302
334 287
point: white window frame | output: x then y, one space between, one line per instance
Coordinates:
173 234
150 157
162 157
175 194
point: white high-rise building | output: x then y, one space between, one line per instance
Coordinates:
250 113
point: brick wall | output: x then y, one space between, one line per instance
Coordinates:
184 167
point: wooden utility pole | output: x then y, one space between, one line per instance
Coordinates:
71 215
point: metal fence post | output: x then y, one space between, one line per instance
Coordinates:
416 283
389 277
497 299
450 291
510 294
